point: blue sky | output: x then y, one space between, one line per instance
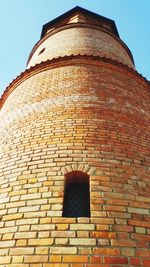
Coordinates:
21 23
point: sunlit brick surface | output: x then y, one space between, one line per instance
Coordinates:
77 114
81 41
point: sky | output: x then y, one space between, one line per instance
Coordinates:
21 23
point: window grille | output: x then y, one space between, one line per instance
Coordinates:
77 197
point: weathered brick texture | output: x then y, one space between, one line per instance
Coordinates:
79 113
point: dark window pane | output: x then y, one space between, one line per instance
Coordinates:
77 201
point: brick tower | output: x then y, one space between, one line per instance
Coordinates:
74 151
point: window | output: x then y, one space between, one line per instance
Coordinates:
42 51
77 196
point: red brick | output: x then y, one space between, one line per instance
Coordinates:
146 263
143 253
123 243
135 261
141 237
123 228
139 223
116 260
107 251
96 259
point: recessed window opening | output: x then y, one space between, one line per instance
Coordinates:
42 51
77 195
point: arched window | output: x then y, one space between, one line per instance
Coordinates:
77 195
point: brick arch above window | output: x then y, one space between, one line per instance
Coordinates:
85 168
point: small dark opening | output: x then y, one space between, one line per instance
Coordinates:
77 198
42 51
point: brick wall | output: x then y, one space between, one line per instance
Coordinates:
81 40
86 115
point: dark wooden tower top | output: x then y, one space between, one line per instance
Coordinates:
77 15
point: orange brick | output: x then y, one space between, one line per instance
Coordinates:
146 263
77 265
97 234
62 226
123 243
21 243
143 253
71 259
107 251
139 223
12 217
42 250
55 258
96 259
55 265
